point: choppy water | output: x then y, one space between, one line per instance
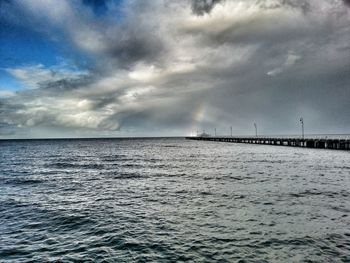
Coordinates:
168 200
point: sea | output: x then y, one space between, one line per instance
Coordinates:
172 200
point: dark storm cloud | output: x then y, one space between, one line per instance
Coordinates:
200 7
135 38
347 2
291 24
134 45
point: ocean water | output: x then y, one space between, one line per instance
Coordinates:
172 200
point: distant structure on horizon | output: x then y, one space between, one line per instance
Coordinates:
204 134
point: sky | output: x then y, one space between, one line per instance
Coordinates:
119 68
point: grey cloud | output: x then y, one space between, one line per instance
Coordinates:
130 47
303 5
200 7
286 22
135 39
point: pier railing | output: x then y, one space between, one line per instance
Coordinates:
292 136
322 141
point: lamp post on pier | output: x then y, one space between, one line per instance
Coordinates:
256 129
302 127
231 130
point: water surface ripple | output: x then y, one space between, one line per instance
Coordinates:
172 200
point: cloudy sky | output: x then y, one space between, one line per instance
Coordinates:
90 68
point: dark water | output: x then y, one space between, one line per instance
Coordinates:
172 200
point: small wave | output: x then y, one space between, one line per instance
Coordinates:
267 161
181 192
67 165
168 174
131 165
318 193
23 181
11 204
274 242
114 157
342 167
116 175
205 193
13 253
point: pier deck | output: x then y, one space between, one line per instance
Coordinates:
319 143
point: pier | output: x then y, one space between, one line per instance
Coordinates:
335 142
